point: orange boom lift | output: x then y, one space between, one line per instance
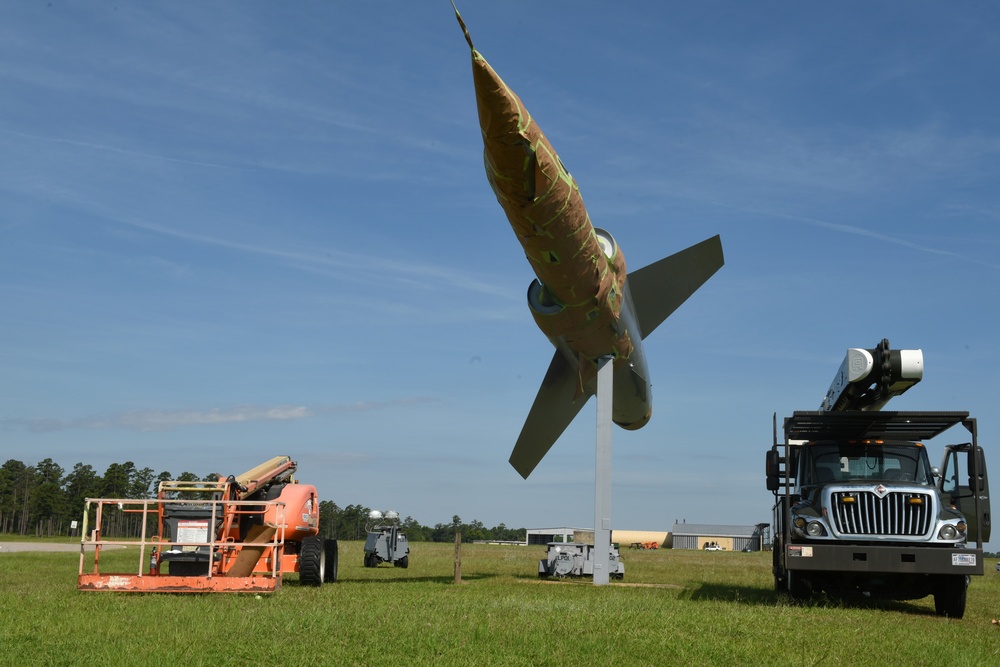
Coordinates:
239 534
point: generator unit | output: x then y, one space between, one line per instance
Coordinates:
567 559
385 544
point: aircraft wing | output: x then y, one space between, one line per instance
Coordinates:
661 287
558 401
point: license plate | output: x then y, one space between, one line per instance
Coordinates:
963 559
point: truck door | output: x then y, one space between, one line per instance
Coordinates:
964 478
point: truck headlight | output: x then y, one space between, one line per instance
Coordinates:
948 533
815 529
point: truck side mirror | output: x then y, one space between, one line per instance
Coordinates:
772 463
772 468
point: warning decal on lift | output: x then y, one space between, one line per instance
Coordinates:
192 531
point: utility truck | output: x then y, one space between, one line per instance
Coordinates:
858 508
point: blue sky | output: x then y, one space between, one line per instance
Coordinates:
235 230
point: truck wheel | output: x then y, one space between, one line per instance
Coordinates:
799 588
403 562
312 561
780 585
949 595
330 551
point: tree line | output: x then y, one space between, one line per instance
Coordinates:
44 500
352 523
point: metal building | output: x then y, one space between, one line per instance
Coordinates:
727 538
546 535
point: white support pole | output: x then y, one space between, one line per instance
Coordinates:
602 474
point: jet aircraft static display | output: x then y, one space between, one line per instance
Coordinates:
582 299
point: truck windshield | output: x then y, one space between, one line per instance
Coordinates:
845 462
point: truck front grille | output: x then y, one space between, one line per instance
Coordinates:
895 513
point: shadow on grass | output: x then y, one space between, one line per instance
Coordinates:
753 596
397 581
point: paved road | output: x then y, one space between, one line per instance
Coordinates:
11 547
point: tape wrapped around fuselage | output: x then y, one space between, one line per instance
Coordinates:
544 206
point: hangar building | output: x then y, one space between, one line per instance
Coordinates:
729 538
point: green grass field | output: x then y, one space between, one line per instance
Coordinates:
673 608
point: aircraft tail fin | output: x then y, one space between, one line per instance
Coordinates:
558 401
657 291
660 288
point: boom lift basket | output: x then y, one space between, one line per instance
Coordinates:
186 554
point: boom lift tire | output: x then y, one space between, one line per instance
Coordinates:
403 562
950 593
312 561
330 551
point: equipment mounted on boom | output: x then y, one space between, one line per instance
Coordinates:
868 379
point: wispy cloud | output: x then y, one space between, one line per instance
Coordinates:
121 151
887 238
334 262
861 231
168 420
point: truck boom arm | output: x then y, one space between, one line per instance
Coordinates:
868 379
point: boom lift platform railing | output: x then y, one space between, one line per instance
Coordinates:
226 535
221 569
